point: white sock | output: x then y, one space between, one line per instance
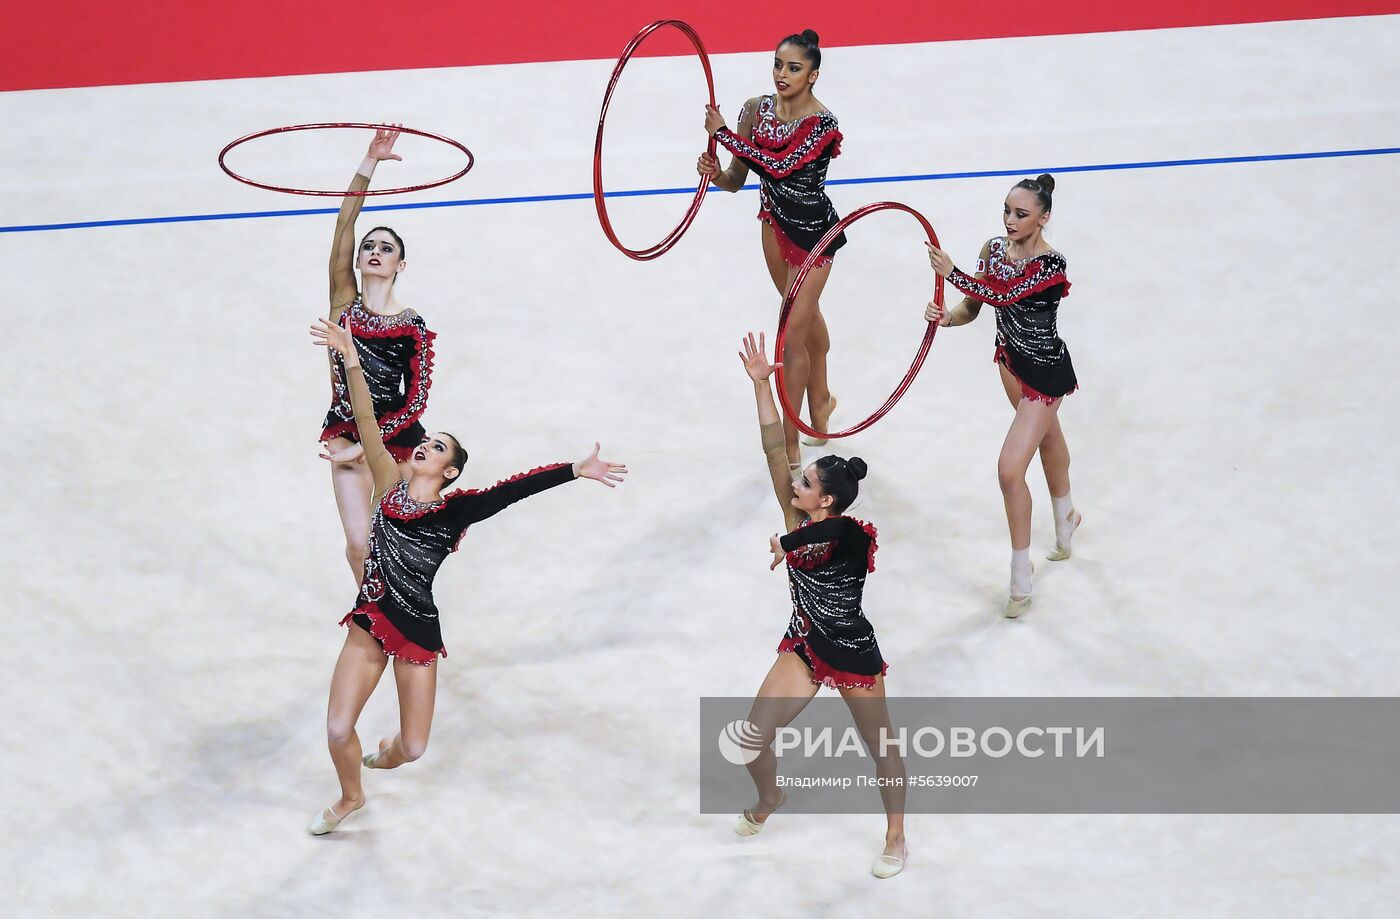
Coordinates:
1021 572
1064 525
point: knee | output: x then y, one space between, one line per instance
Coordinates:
413 748
1009 477
795 348
339 732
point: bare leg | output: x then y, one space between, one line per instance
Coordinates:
1028 429
817 341
796 360
818 345
1054 460
773 259
417 687
357 672
804 354
872 718
354 488
786 690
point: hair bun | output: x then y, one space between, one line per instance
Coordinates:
811 36
1046 180
857 467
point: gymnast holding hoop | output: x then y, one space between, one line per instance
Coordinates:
829 642
395 349
414 528
1024 278
790 138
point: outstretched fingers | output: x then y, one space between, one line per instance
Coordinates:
605 471
755 358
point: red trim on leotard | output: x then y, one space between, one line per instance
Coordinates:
811 560
826 675
390 638
420 380
351 433
793 254
778 162
1027 391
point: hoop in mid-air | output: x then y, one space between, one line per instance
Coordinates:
791 297
674 236
345 194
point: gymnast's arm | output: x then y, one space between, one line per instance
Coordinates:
823 136
470 507
343 244
1042 272
770 426
966 311
733 177
381 464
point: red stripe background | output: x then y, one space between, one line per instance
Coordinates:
67 43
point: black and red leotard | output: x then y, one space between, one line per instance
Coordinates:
827 563
396 353
791 159
1026 293
408 542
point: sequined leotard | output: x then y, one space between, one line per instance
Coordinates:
827 563
791 160
1026 293
409 540
396 353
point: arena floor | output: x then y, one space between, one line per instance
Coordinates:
175 563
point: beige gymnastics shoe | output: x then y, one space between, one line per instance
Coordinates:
1060 553
887 866
328 820
747 826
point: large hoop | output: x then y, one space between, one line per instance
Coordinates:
791 298
471 160
674 236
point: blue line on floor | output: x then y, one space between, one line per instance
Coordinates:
581 196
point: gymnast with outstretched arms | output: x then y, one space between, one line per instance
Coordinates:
413 530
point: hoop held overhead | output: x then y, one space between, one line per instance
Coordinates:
791 298
674 236
471 160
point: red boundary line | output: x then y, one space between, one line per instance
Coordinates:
69 43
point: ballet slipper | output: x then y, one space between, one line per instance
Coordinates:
747 826
1060 553
371 760
1016 606
328 820
811 441
887 866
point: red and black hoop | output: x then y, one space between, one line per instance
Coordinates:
791 297
342 193
674 236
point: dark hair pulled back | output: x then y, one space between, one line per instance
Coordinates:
1043 186
403 253
840 478
809 42
458 458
